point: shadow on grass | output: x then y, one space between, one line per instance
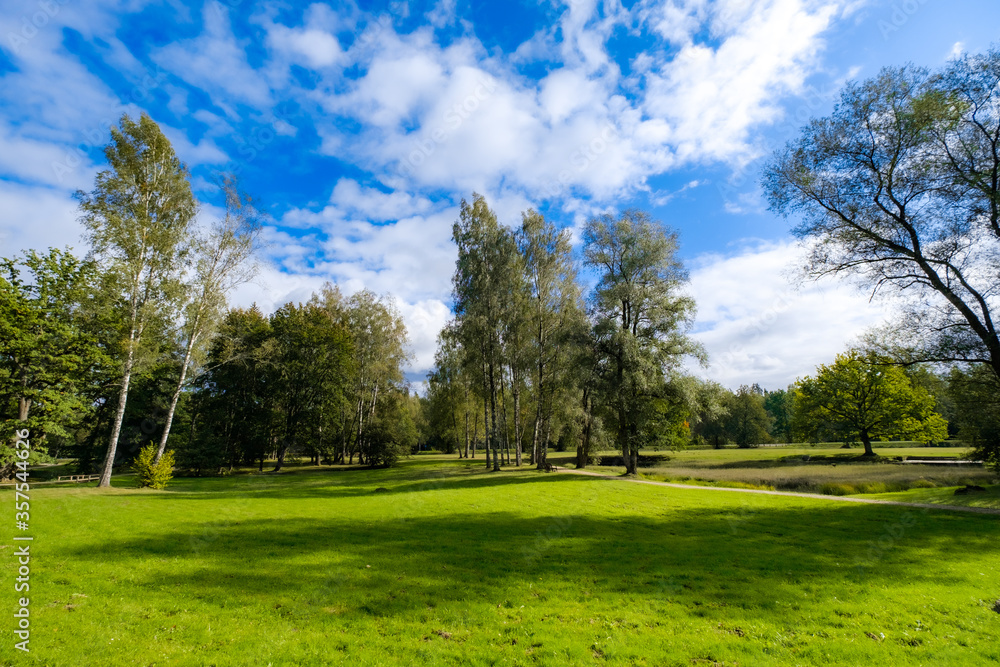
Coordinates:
411 477
749 557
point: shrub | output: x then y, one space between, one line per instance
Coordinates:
922 484
838 489
745 485
153 475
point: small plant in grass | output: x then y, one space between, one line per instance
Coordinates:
150 474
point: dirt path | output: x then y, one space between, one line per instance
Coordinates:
844 499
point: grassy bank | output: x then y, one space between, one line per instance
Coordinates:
438 562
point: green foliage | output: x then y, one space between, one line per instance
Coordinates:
865 397
780 408
899 188
641 319
152 473
976 396
137 221
48 356
747 422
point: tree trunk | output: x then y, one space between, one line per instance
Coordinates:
466 408
475 433
175 398
867 442
116 428
517 418
583 449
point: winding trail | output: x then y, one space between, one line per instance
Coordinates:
818 496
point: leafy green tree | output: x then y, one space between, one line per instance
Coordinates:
310 369
486 275
47 355
379 339
779 407
556 320
868 398
220 262
641 319
899 188
449 403
976 395
137 220
234 407
747 422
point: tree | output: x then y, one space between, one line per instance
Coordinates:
137 220
779 407
46 353
867 397
976 395
900 187
379 338
555 318
747 422
486 275
449 405
220 263
709 409
310 367
234 407
641 318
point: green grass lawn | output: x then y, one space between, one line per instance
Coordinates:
811 469
988 498
438 562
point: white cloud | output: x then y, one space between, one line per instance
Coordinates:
37 217
758 325
713 96
216 62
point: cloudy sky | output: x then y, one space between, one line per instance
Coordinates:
361 126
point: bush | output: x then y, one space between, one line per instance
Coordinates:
922 484
153 475
838 489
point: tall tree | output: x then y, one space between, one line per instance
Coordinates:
220 263
484 273
900 187
46 354
866 397
779 406
137 222
976 395
641 318
379 340
312 364
555 318
747 421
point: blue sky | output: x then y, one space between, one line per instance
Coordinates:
361 126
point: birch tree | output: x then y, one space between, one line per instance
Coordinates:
220 262
137 221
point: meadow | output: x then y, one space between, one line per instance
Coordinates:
440 562
825 469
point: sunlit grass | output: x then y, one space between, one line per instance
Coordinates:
440 562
